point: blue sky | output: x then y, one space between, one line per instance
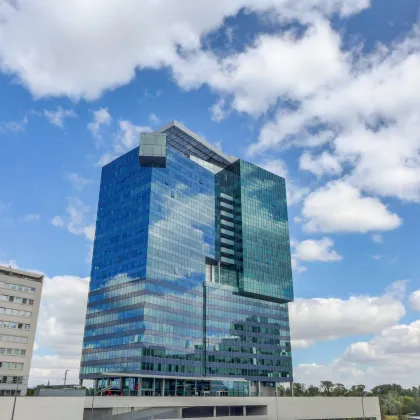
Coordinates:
322 93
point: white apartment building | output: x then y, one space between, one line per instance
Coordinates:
20 296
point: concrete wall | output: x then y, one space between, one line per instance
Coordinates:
31 408
327 407
300 408
129 408
57 392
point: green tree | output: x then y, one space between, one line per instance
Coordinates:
281 391
357 390
313 391
339 390
298 389
327 387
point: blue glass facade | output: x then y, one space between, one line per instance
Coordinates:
177 292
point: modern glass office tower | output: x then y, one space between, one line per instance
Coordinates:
191 273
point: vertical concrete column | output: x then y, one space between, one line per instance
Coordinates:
140 386
154 384
108 381
179 413
163 387
214 411
244 411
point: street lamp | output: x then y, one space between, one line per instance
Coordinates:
65 375
16 391
93 398
363 405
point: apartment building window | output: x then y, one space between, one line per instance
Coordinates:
16 299
14 325
9 392
12 352
18 287
11 365
13 338
11 379
15 312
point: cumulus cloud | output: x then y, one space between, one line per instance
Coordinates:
316 250
367 115
73 62
414 300
77 180
324 319
101 117
218 110
393 353
324 164
60 329
58 116
392 342
77 219
340 207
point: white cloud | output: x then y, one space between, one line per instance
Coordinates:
297 268
72 63
316 250
57 221
377 238
32 217
340 207
14 126
58 116
393 353
414 300
125 139
77 180
258 76
324 319
367 115
60 329
324 164
154 119
295 193
77 219
218 110
101 117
